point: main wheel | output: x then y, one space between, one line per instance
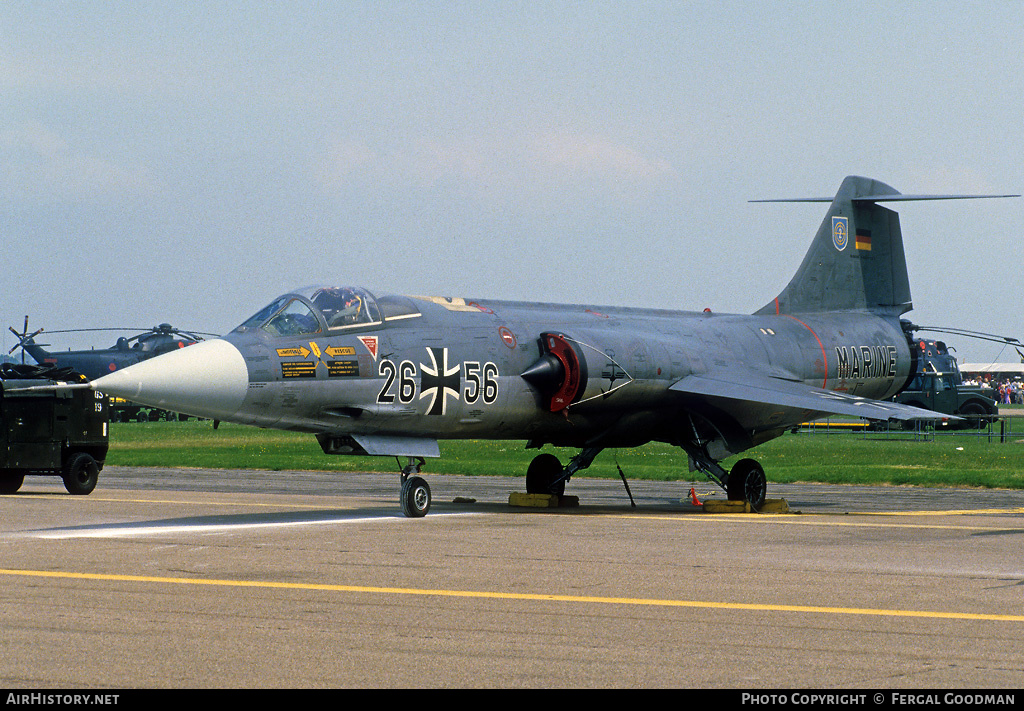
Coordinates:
80 474
974 414
747 483
542 473
11 480
415 497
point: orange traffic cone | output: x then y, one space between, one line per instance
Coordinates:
693 498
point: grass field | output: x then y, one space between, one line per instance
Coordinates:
852 458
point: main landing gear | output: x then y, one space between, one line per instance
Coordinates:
747 482
415 496
744 482
546 475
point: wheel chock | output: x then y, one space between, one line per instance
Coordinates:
541 501
776 506
718 506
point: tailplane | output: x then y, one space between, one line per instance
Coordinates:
856 261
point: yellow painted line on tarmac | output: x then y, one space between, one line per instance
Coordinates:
829 519
951 512
530 597
757 519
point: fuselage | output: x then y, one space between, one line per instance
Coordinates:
443 368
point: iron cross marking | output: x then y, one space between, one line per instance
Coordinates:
439 381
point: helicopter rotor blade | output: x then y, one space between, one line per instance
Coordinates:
141 334
1006 340
23 337
85 330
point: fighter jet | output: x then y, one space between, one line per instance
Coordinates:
387 374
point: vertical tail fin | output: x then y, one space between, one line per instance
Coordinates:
856 261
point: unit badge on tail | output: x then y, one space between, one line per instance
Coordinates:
840 232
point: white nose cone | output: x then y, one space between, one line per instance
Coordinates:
208 379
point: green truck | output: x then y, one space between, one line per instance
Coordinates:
939 386
47 428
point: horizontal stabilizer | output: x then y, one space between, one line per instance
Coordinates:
751 387
891 197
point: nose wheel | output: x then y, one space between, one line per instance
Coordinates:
415 496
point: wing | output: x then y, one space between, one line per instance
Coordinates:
756 388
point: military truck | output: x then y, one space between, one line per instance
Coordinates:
49 429
939 386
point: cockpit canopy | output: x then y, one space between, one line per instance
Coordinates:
319 309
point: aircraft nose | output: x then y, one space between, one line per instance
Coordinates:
207 379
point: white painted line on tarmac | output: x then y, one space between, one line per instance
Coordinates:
121 530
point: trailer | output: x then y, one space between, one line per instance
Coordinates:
49 427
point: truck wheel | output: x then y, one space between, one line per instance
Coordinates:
974 414
80 474
11 480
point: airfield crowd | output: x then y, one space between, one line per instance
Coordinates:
1004 392
1009 393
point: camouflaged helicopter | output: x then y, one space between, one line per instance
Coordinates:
96 362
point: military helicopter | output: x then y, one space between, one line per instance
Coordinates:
94 363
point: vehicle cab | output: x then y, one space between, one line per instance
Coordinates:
938 385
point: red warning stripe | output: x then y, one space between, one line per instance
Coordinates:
824 358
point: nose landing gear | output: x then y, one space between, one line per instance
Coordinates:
415 496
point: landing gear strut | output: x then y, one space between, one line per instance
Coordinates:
415 496
546 475
744 482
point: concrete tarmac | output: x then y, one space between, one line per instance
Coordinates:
244 579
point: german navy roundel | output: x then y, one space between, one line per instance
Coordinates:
840 232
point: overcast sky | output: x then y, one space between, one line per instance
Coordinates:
186 162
